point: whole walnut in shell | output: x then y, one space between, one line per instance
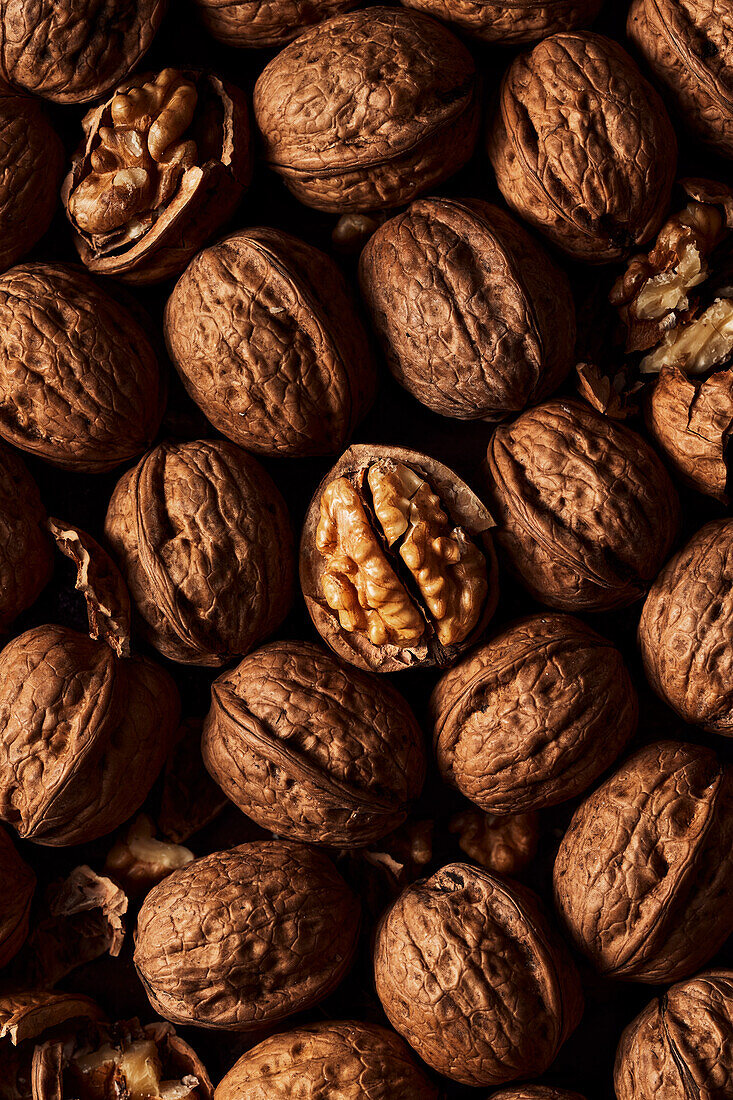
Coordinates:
311 748
368 109
250 24
80 384
681 1044
644 875
511 22
475 319
203 538
267 343
339 1059
582 146
587 514
465 946
242 939
19 885
26 559
534 716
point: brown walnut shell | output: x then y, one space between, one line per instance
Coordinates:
19 885
80 384
535 1092
475 319
83 734
503 843
644 875
534 716
681 1044
368 110
685 630
72 51
582 146
587 514
313 749
464 946
249 24
140 205
268 345
26 557
511 22
341 1058
240 939
203 538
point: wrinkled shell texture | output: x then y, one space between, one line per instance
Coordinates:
244 938
688 45
26 558
311 748
344 1059
202 536
72 51
267 343
587 514
83 734
644 875
681 1044
533 717
257 23
19 882
475 319
511 22
80 385
594 179
685 630
469 972
368 110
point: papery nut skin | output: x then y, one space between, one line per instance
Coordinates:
257 24
240 939
644 876
511 22
20 884
26 556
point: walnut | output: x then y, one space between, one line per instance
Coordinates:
582 146
190 799
72 51
352 231
464 946
511 22
344 1058
685 630
139 860
244 938
535 1092
368 109
80 384
397 565
644 869
475 319
250 24
204 541
587 514
20 883
312 749
164 163
26 559
681 1042
505 843
267 343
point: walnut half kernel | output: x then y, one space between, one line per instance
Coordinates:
132 1070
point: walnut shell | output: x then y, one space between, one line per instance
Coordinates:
72 51
368 110
536 1092
19 883
504 843
681 1044
267 343
582 146
80 384
203 538
312 749
83 734
26 557
587 513
465 946
244 938
534 716
475 319
249 24
340 1058
511 22
685 630
644 874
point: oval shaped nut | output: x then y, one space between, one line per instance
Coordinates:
241 939
311 748
344 1058
582 146
267 342
587 514
511 22
681 1041
20 884
368 110
249 24
203 538
80 384
26 556
476 321
685 630
535 1092
644 875
534 716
